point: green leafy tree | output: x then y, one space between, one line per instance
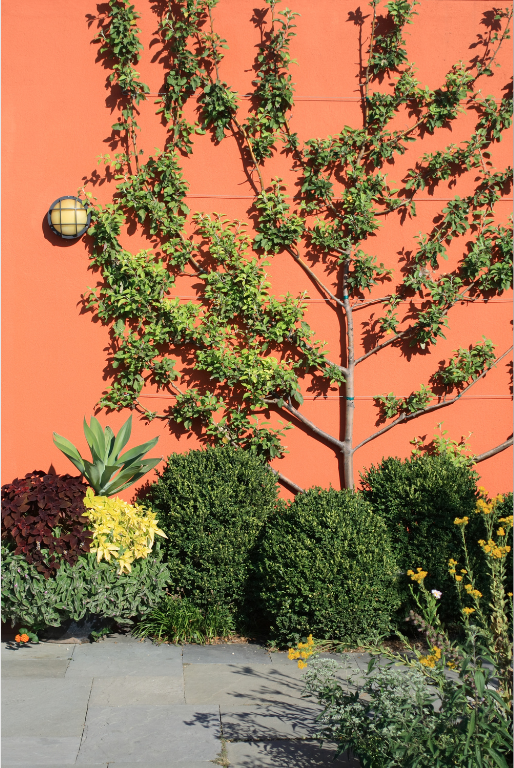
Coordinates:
255 349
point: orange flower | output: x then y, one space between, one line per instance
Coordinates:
24 638
18 638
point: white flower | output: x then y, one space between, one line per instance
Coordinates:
437 594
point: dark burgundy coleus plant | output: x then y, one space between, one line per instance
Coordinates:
43 517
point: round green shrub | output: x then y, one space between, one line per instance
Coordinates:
212 505
326 568
419 499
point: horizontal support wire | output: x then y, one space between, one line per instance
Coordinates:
319 398
355 99
368 301
406 199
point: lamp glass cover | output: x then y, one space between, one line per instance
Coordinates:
68 216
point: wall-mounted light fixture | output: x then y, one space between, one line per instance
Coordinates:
69 217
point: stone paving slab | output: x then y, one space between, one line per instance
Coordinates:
241 684
150 734
34 668
236 653
182 764
37 651
274 721
285 754
29 751
125 660
136 691
44 707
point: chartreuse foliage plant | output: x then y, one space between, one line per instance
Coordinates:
252 351
87 586
449 706
325 567
122 531
108 472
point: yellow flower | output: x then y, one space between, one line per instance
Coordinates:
450 664
428 661
461 521
451 561
292 655
509 594
463 570
458 578
302 664
467 611
507 520
437 653
501 532
419 576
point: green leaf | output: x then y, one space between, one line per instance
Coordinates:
98 432
92 441
69 451
138 451
122 438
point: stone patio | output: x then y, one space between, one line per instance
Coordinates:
134 704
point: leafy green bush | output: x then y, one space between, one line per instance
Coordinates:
212 505
419 499
326 567
419 715
180 621
85 587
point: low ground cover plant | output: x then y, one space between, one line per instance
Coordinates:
326 567
86 587
212 505
450 706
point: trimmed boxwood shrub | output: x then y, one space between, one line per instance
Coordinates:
325 567
419 499
212 505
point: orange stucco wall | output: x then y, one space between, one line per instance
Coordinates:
56 122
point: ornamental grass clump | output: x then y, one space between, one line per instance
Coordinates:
122 531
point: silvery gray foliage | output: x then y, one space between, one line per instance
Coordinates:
86 587
402 718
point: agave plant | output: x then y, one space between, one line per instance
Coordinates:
108 472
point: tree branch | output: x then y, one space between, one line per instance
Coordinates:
494 451
405 417
317 431
296 257
286 481
386 343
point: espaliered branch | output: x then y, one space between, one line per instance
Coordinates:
256 348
